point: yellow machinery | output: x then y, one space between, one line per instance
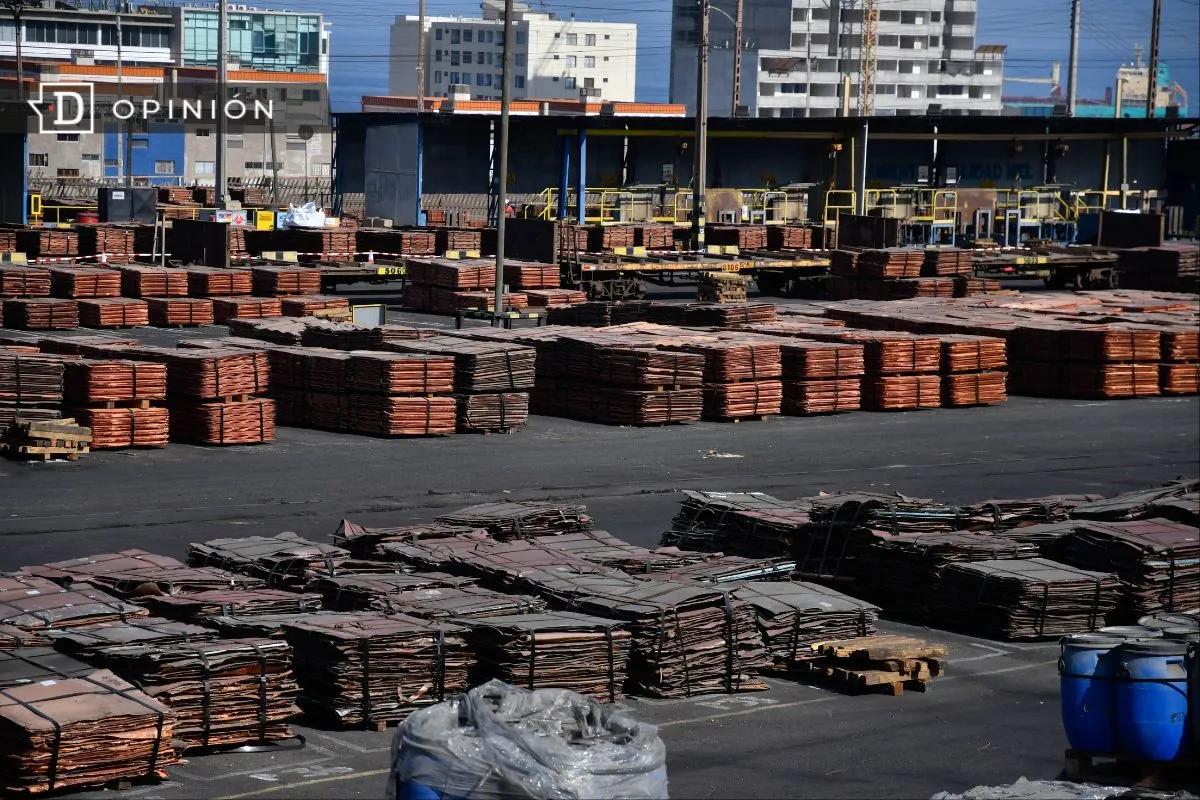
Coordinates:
634 204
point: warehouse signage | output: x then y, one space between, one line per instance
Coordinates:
69 107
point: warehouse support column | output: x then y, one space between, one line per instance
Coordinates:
862 175
581 187
1104 175
564 180
1124 171
420 211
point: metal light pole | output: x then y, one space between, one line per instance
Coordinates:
502 172
222 178
737 59
15 7
1152 78
421 56
1073 67
700 166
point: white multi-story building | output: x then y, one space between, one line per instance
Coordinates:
553 58
798 54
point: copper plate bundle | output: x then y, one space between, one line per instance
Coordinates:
513 301
180 310
114 312
278 330
1179 378
43 242
456 274
947 261
29 384
41 314
208 374
348 336
38 604
962 353
1113 343
76 282
418 297
215 281
612 406
401 416
898 392
792 617
739 400
610 359
530 275
243 422
969 287
843 263
330 412
789 237
654 236
364 668
458 239
479 366
227 308
805 397
498 411
725 315
807 360
734 357
203 606
1039 379
95 381
221 693
1112 380
23 281
138 280
91 730
273 281
106 238
400 373
92 345
305 306
395 241
974 388
554 297
558 649
886 352
1180 344
744 237
890 263
114 428
326 370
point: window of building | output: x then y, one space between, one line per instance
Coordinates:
479 57
498 81
311 95
571 61
39 160
139 143
468 34
297 146
455 58
164 167
590 40
68 137
489 59
322 170
454 77
606 58
935 41
572 39
935 16
437 34
203 132
437 54
522 37
437 76
554 79
466 57
455 36
91 156
483 79
569 82
68 172
518 81
589 62
466 78
254 165
110 162
235 144
8 31
607 37
522 59
204 168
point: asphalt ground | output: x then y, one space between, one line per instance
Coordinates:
992 719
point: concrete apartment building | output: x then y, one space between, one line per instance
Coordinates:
797 53
277 54
553 58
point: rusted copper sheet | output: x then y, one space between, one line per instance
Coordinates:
227 308
283 560
222 692
804 397
82 731
37 604
1032 598
270 626
113 312
141 280
601 547
365 668
275 281
459 602
86 642
136 573
188 311
242 602
793 616
493 411
94 381
27 665
507 519
362 542
553 649
362 592
76 282
116 428
242 422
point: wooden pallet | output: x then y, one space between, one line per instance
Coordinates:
1128 771
886 664
880 648
45 440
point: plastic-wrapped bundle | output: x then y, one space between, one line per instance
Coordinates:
500 742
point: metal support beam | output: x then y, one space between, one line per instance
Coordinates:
581 175
737 59
492 188
420 211
222 166
1152 77
862 173
564 182
421 57
502 177
1073 66
700 167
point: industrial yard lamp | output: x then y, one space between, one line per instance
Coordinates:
15 7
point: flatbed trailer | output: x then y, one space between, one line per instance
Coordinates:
1083 270
338 273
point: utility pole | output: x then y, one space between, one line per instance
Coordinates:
421 56
15 7
1152 77
867 59
222 179
1073 67
700 165
502 172
124 140
737 58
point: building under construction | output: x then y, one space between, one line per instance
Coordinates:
813 58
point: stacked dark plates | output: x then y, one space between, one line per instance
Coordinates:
508 519
794 616
282 560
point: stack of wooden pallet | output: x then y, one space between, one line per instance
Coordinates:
114 399
45 439
887 664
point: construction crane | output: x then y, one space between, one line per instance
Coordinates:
867 59
1053 80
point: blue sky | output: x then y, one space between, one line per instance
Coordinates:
1036 32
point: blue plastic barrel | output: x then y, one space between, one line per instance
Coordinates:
1087 692
1152 699
1193 669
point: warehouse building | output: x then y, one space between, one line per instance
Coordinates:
800 56
553 58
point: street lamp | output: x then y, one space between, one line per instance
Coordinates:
737 54
15 7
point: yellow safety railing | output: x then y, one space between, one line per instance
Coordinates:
35 208
889 201
945 206
765 206
837 200
607 203
61 215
